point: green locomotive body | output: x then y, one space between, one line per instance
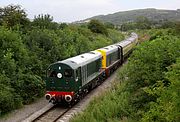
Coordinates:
67 80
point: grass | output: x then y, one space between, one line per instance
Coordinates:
112 106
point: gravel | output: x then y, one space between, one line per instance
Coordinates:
27 110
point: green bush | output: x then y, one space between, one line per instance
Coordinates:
27 48
25 56
29 87
9 100
147 66
115 36
167 106
112 106
151 59
97 27
149 87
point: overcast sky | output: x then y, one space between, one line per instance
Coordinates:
73 10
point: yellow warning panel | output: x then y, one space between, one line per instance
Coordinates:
103 53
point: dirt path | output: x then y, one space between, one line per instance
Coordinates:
27 110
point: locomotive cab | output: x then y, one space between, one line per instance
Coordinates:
62 81
70 79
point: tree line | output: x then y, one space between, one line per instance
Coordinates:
143 23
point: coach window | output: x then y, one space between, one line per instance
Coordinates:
68 73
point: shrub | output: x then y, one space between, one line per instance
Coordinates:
9 100
167 106
97 27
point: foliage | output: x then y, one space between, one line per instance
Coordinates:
149 87
151 60
140 23
143 22
9 100
44 22
115 36
28 48
97 27
12 15
128 26
63 26
14 61
167 106
161 53
113 105
177 27
109 25
168 24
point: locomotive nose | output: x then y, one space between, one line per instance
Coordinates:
48 96
68 98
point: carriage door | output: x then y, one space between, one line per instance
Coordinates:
120 52
84 74
78 77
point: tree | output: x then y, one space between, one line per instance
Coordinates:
97 27
44 22
109 25
177 27
168 24
143 23
12 15
165 108
62 26
128 26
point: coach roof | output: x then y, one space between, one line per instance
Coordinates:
109 49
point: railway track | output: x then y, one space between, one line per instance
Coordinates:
52 115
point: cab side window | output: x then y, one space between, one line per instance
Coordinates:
77 73
68 73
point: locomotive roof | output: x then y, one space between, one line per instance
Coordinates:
82 59
109 49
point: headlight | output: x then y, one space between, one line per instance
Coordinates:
59 75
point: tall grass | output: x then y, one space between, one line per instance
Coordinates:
112 106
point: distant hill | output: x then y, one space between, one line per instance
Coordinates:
131 16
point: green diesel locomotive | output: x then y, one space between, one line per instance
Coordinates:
69 80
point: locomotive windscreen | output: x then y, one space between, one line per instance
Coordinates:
52 73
